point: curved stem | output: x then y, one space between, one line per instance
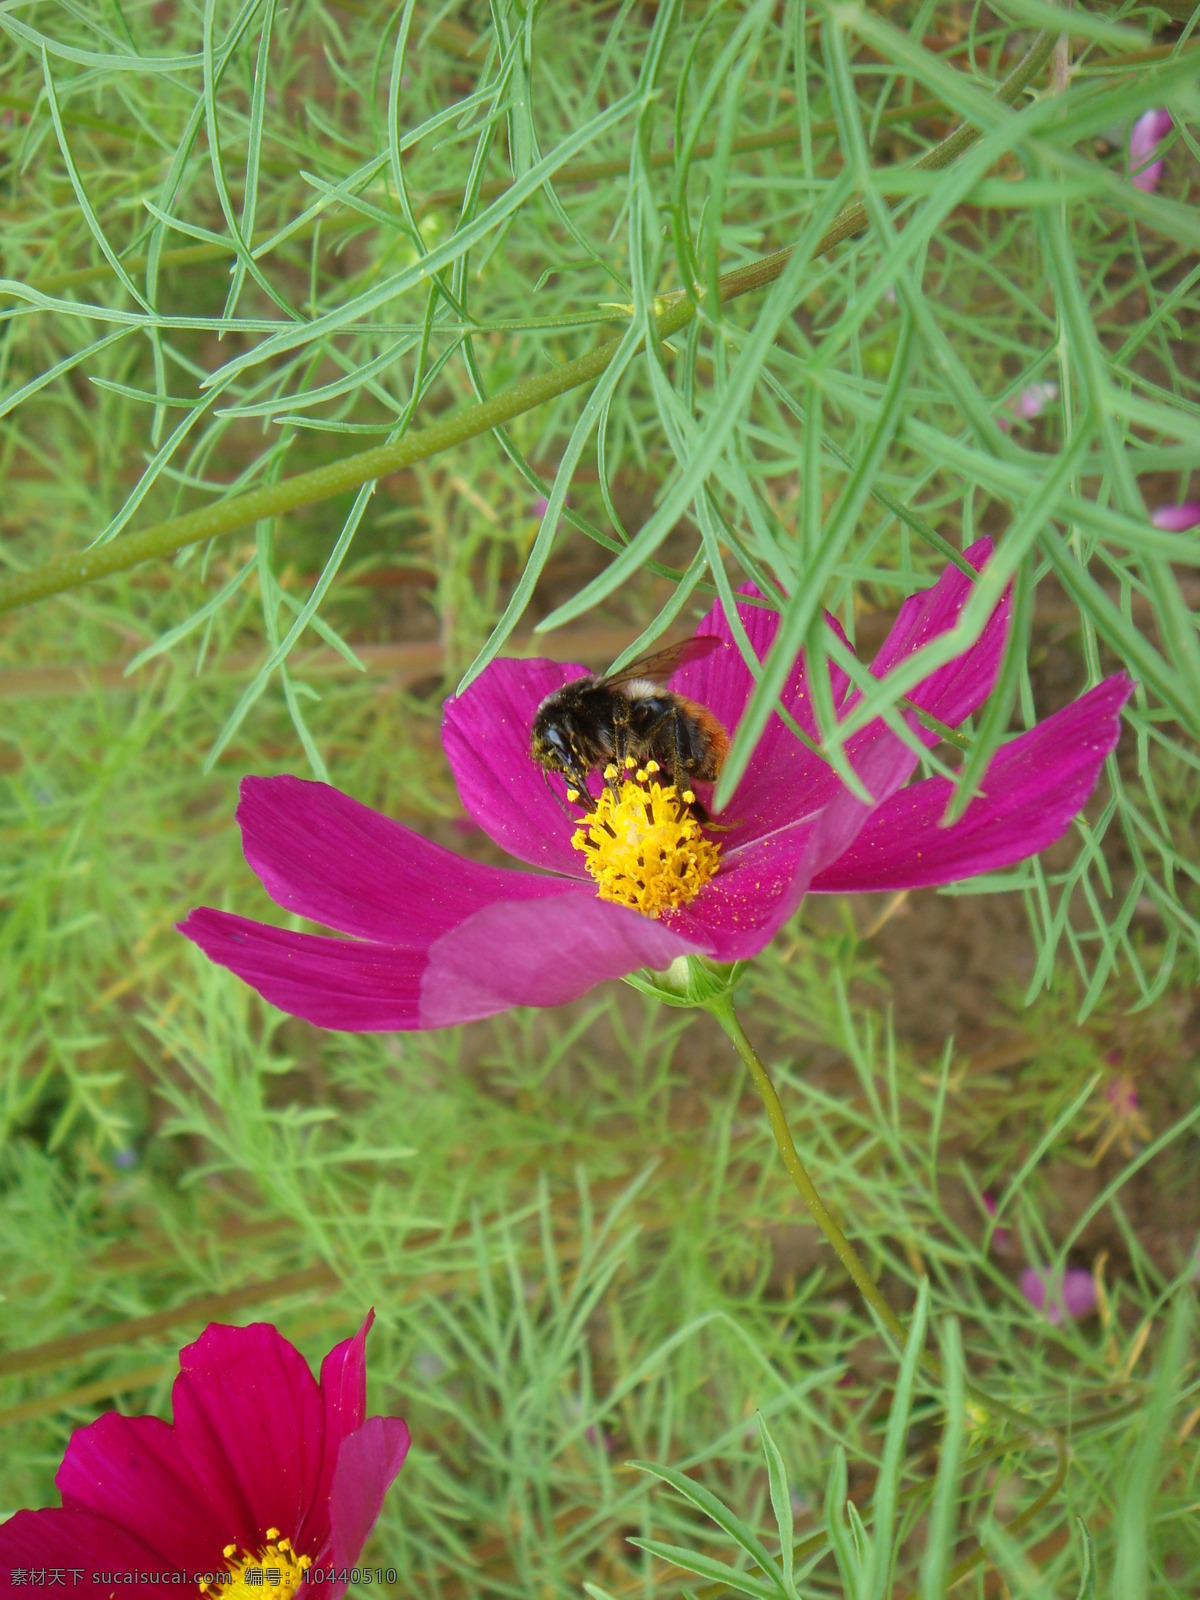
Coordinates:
722 1009
351 472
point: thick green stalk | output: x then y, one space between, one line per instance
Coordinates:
340 477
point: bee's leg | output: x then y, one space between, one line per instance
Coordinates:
555 796
680 776
620 743
653 748
577 781
679 769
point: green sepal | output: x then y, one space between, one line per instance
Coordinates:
690 980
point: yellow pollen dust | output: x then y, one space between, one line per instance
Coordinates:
643 845
275 1573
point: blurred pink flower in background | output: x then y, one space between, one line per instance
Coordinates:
1147 134
1119 1118
1000 1236
1070 1294
1177 519
1030 403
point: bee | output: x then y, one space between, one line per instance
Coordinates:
592 722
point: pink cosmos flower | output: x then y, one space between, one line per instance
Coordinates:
1177 519
435 939
1147 133
263 1469
1030 403
1000 1236
1119 1118
1069 1294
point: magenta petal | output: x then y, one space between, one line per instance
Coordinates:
1032 789
250 1424
1056 1293
510 953
952 692
759 886
333 983
1032 401
721 680
57 1537
1177 519
329 858
883 761
486 735
1033 1286
1078 1292
367 1465
784 780
129 1470
1147 133
343 1387
539 955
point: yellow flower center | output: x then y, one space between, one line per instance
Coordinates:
643 844
275 1573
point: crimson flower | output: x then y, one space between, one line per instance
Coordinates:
265 1479
435 939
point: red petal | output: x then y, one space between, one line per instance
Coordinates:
57 1537
367 1465
130 1471
250 1423
344 1397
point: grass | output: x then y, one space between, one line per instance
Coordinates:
246 243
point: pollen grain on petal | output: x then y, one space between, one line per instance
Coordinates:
645 848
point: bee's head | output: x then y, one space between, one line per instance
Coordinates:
549 743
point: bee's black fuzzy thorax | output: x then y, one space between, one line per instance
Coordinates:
592 721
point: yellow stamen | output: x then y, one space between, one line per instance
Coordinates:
645 848
610 770
275 1573
572 795
630 763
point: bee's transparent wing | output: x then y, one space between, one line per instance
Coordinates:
659 666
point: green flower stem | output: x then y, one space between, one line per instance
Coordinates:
351 472
722 1008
